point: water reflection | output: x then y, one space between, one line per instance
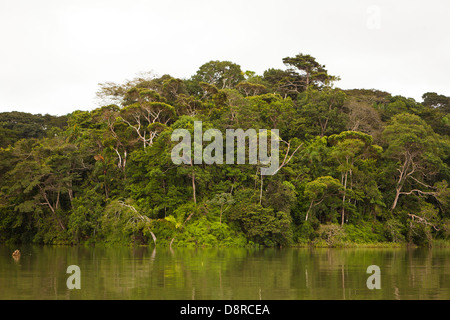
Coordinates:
232 273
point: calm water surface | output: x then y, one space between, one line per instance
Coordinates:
184 274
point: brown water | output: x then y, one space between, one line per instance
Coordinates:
229 273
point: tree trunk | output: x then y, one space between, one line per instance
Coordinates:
309 209
261 190
52 209
124 165
70 191
397 195
401 181
193 186
343 199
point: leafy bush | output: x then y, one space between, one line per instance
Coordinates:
394 230
204 233
363 232
331 234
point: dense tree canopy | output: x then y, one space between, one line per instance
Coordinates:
355 165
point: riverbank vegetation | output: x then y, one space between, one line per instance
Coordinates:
356 166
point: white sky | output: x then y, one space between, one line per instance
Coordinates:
53 53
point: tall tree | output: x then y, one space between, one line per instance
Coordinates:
418 152
349 147
320 113
432 99
308 71
321 190
146 113
222 74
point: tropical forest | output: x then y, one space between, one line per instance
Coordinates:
356 167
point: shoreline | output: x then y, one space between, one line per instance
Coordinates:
320 245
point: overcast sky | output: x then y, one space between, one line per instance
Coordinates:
53 53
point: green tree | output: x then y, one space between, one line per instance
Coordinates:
322 191
265 226
282 82
308 72
223 201
319 113
418 152
146 113
221 74
434 100
349 148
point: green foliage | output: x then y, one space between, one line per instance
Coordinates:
306 232
356 166
330 235
20 125
421 225
222 74
319 112
394 230
205 233
365 232
306 71
263 225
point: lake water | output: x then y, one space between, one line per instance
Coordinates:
223 274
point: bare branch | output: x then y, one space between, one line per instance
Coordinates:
422 220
